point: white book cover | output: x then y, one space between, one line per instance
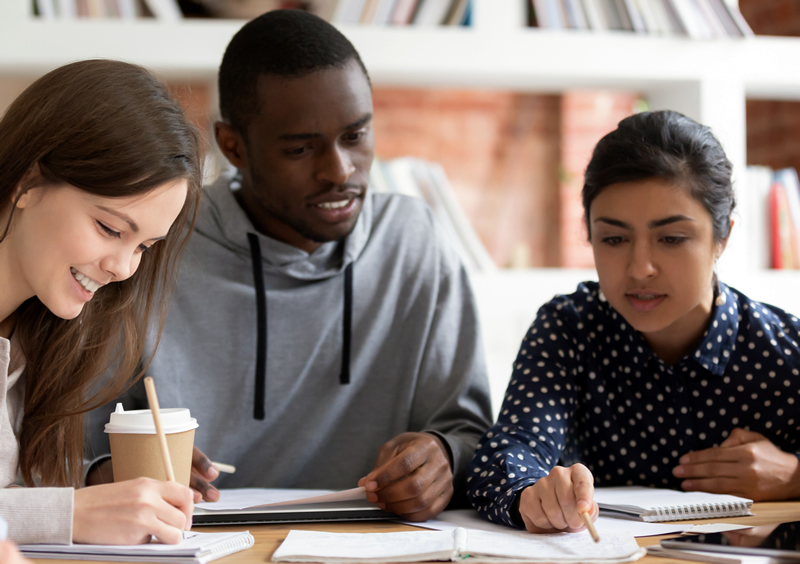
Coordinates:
612 14
542 16
594 15
665 22
383 13
637 23
575 14
166 10
67 9
196 548
655 505
754 197
46 9
349 11
731 29
432 12
713 22
733 9
690 19
649 17
128 9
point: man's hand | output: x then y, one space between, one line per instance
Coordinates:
554 503
746 464
411 477
203 473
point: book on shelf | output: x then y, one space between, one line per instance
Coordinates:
428 181
772 224
698 19
395 12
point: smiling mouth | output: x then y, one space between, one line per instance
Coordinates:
87 283
334 205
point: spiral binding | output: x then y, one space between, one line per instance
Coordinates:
698 511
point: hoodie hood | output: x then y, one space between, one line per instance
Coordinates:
223 221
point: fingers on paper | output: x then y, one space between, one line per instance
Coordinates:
554 502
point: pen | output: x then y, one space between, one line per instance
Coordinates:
590 526
227 468
152 399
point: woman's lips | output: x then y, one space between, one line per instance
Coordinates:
645 301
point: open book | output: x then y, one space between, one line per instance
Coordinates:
651 504
196 548
456 545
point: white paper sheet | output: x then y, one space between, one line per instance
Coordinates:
469 519
456 545
249 498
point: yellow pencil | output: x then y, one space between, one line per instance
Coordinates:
590 526
152 399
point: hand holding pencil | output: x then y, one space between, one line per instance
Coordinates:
561 501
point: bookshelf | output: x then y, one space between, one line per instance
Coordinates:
708 80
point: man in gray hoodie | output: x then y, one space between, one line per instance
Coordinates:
323 336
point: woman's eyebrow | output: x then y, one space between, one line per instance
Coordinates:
122 216
652 225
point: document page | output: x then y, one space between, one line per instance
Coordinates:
249 498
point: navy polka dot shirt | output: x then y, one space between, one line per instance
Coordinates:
587 388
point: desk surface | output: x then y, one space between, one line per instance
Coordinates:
268 537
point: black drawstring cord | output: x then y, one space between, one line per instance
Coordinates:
347 329
261 335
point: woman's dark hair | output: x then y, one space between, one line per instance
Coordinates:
669 146
286 43
110 129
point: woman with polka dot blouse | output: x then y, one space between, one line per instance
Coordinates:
659 375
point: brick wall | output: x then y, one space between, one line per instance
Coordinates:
773 127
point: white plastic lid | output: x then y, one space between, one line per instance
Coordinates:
140 421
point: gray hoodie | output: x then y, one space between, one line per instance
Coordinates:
311 417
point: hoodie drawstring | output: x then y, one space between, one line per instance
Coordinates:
261 336
347 330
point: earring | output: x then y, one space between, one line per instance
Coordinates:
721 299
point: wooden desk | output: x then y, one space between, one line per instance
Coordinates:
269 537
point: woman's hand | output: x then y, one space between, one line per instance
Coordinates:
130 512
746 464
555 502
10 555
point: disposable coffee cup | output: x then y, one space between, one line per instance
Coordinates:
134 443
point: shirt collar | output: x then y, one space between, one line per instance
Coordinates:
714 351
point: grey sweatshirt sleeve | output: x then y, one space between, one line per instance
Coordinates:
452 399
38 515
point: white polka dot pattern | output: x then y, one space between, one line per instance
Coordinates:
587 388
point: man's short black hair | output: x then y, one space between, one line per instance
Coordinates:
287 43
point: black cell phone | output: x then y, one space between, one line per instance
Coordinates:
775 541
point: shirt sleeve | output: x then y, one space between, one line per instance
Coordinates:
38 515
540 402
452 400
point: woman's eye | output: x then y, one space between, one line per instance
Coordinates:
673 240
110 232
612 241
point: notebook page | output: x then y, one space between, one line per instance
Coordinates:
562 547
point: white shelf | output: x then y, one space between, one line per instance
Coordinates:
706 80
518 58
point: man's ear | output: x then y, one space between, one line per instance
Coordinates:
231 144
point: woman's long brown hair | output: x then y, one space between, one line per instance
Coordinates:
111 129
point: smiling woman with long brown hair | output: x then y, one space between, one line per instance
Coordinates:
100 178
660 375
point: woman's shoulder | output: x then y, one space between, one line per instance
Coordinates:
585 306
750 309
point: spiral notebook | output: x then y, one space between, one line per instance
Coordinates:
652 505
196 548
